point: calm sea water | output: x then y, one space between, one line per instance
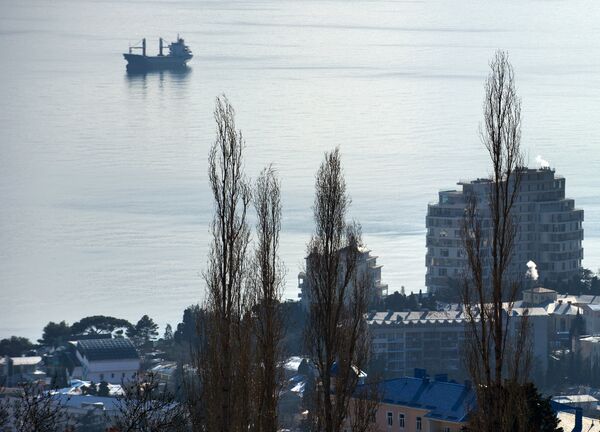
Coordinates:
105 204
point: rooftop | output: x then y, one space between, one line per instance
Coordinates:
23 361
557 308
567 422
540 290
572 399
445 401
107 349
415 317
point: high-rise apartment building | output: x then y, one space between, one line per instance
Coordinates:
367 270
549 229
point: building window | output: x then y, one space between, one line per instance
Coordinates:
112 375
419 424
444 252
401 420
101 377
390 418
442 272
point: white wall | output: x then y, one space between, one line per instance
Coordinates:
112 371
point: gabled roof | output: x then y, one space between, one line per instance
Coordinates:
107 349
445 401
540 290
563 309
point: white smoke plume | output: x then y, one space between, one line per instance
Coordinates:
543 163
532 272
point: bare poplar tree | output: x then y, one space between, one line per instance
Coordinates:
336 333
266 290
145 407
363 408
4 409
224 361
495 351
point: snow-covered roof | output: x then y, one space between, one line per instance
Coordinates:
23 361
567 422
292 363
75 388
573 399
165 368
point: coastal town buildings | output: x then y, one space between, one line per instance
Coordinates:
403 341
21 369
406 340
549 229
591 315
367 270
588 349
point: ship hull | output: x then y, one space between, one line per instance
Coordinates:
136 62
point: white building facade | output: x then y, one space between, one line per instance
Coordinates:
110 360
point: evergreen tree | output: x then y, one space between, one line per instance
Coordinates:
541 417
168 336
145 330
15 346
99 324
103 389
55 334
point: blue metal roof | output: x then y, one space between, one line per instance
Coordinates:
445 400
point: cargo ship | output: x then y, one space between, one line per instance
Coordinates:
177 58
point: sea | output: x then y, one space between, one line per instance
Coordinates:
104 198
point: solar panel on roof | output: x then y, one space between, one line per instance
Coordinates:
107 349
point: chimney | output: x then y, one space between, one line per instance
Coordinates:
420 373
442 377
578 420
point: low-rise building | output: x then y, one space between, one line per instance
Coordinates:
14 370
539 295
413 404
588 348
111 360
591 315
